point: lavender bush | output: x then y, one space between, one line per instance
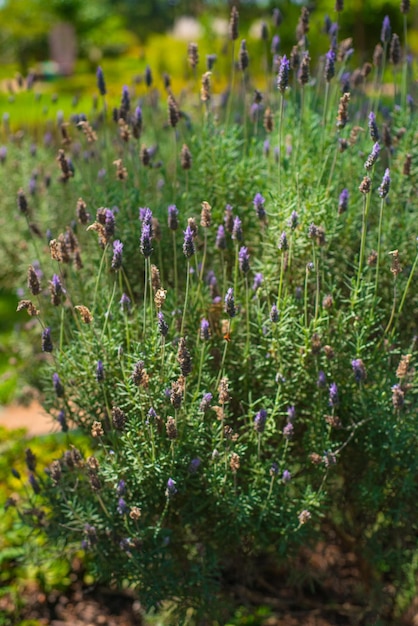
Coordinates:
232 327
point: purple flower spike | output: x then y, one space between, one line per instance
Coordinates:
333 395
259 206
100 372
122 506
260 421
293 220
125 303
58 386
188 244
258 281
117 255
204 329
283 75
343 201
291 413
244 260
374 131
274 314
145 242
386 32
288 430
194 465
46 340
162 324
101 81
322 380
205 402
121 487
283 244
373 156
359 370
286 476
237 229
329 70
275 44
171 488
220 242
173 213
385 186
230 303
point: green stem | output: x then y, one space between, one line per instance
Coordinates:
186 297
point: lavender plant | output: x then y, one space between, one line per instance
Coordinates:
244 371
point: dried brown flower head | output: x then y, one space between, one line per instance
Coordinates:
234 462
85 314
28 306
403 366
205 215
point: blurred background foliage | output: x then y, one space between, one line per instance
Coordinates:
105 28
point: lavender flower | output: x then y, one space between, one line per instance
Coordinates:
398 397
210 61
274 469
145 242
291 413
62 421
205 402
121 487
122 506
204 329
329 70
99 372
274 314
237 229
286 476
385 186
125 303
386 32
194 465
172 217
171 488
333 395
343 201
117 255
56 284
322 379
374 131
275 44
373 156
188 243
46 340
148 76
266 148
283 244
260 421
359 370
58 386
244 260
34 484
259 206
258 281
293 220
288 430
109 223
230 303
162 324
283 75
101 81
220 242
